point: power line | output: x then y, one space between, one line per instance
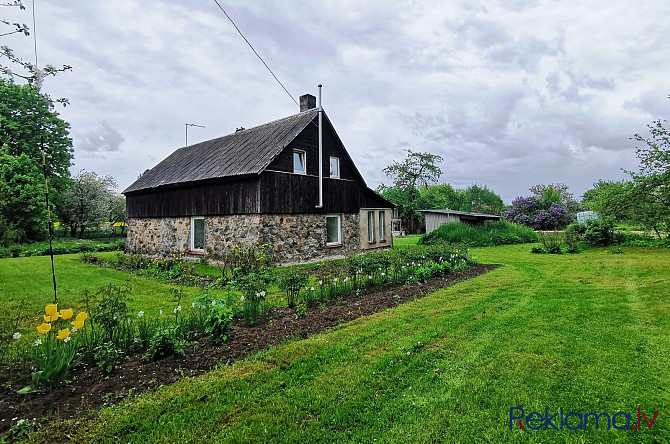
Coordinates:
257 55
35 33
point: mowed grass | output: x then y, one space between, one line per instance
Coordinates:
27 281
586 333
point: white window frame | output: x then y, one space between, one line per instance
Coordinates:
334 176
192 240
371 227
382 226
339 230
303 154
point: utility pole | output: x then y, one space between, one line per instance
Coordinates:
186 125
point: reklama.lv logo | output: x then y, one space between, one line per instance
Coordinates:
557 421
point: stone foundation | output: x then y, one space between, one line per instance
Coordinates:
296 237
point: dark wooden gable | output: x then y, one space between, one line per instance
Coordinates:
308 141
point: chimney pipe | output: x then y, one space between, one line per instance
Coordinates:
320 110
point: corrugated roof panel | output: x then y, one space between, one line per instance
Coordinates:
244 152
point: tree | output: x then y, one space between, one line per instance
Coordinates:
652 181
558 193
611 200
88 202
481 200
29 124
25 70
22 205
415 170
117 212
441 196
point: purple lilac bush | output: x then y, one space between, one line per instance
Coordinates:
528 211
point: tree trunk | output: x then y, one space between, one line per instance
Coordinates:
81 231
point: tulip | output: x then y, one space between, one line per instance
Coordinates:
78 324
66 314
62 334
82 316
44 328
51 309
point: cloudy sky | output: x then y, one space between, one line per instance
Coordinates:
510 93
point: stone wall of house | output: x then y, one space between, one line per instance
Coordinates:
295 237
158 236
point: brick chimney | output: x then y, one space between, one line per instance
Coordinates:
307 101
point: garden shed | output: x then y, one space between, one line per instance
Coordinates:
435 218
259 185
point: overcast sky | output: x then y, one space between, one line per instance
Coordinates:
510 93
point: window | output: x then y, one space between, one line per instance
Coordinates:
334 231
382 237
299 162
334 167
371 227
197 233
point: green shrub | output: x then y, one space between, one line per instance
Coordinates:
165 342
486 235
551 242
599 233
291 282
108 357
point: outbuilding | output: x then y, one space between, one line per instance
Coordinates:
435 218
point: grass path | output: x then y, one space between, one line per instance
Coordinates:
587 332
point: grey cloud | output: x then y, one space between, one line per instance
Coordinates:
103 139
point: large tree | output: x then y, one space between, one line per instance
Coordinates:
414 171
652 181
29 125
556 193
22 205
89 202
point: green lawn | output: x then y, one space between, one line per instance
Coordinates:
26 281
586 333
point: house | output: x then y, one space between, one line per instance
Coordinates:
259 185
435 218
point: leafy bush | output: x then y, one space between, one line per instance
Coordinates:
486 235
165 342
538 214
237 259
291 282
599 233
108 357
551 242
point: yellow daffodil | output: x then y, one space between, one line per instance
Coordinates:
66 313
51 309
78 324
82 316
62 334
44 328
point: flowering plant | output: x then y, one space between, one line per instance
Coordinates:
54 351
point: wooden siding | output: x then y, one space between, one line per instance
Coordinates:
434 220
239 197
308 141
297 193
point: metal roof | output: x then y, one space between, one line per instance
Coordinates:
461 213
244 152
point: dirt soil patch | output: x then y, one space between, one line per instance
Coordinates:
90 388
